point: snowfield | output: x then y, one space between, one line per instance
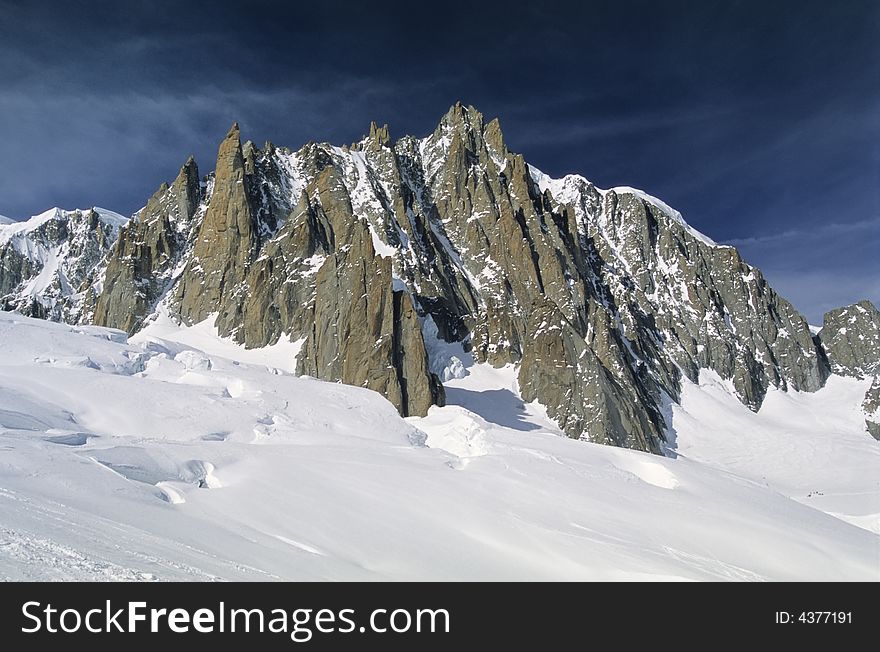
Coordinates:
180 456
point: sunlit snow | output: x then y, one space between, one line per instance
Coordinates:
179 455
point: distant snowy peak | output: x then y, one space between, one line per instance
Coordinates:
47 258
567 190
13 228
668 210
111 218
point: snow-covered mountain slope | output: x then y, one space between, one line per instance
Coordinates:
813 448
46 259
152 459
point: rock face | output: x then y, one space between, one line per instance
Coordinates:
851 339
365 333
602 298
212 281
585 383
47 261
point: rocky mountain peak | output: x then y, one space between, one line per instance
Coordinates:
466 122
189 171
225 242
186 187
379 135
230 157
140 269
46 261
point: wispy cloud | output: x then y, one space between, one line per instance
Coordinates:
819 231
814 292
74 146
594 126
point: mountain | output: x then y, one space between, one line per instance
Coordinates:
45 260
388 262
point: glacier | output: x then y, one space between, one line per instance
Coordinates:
180 455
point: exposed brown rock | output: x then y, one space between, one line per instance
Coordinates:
212 281
148 249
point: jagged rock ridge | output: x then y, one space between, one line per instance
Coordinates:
603 298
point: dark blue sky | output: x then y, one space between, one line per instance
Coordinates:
760 121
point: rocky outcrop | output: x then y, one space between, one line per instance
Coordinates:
348 248
367 334
140 269
646 293
851 339
684 301
584 385
871 408
212 281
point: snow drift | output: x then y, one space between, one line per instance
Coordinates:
177 455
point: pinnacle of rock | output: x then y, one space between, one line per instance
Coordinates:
379 135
